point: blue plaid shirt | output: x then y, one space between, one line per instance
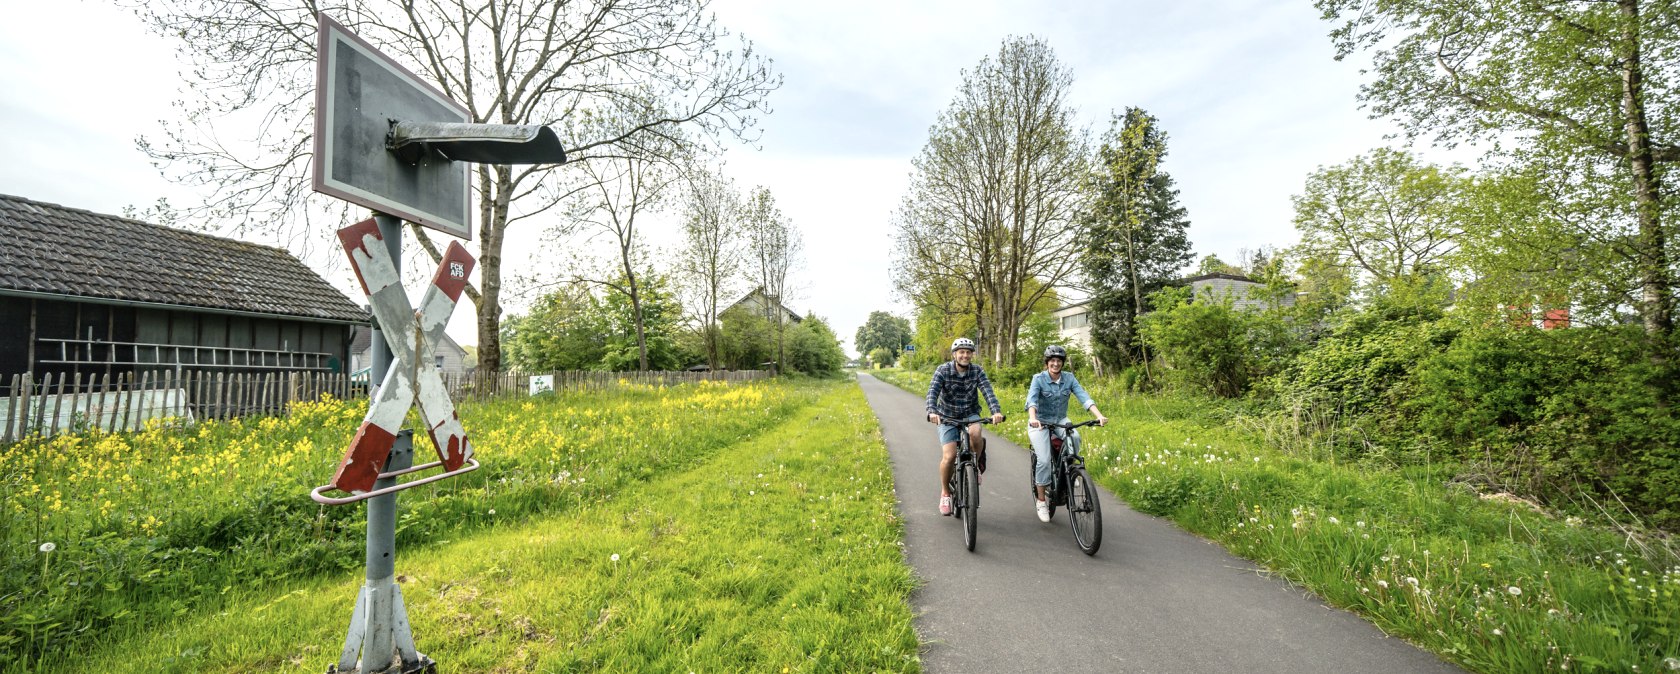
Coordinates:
1051 397
951 393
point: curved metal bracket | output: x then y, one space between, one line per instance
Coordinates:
316 493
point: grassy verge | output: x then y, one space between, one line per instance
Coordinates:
1493 584
776 554
103 537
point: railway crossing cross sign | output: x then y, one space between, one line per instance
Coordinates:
388 140
411 379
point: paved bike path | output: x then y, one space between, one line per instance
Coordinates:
1153 599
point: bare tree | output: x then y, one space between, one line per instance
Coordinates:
995 192
620 190
775 246
615 77
710 259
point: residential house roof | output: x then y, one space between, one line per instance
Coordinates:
55 250
759 299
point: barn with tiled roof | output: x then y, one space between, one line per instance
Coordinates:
83 292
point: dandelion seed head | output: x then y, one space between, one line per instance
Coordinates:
1514 590
48 546
615 556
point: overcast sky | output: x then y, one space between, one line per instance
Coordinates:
1247 91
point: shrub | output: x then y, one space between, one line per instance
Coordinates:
1550 409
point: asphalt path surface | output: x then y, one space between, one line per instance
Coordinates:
1153 598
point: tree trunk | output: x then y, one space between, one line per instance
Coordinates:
1137 298
636 310
1655 287
493 214
711 331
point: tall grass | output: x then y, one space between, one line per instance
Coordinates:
775 554
106 536
1492 583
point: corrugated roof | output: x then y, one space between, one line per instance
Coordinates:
47 248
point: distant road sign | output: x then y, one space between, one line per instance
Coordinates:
359 94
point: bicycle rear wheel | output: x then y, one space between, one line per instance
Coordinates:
1084 511
970 503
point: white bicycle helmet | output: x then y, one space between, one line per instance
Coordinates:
962 343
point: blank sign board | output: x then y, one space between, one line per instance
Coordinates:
359 93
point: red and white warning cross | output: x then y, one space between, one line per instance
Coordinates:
411 378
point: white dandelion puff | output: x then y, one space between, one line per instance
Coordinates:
48 546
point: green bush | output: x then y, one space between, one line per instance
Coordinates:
1555 411
1203 345
1353 371
813 349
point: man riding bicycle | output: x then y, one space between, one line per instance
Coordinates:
1047 398
951 395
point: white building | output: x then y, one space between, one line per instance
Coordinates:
1074 320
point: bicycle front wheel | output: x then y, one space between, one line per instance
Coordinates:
1084 511
970 503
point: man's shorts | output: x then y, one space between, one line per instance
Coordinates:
948 433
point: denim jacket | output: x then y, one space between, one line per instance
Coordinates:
1051 397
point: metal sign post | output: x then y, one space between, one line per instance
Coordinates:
379 623
388 140
379 639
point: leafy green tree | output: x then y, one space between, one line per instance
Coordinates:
1585 87
1202 343
1530 251
746 340
881 356
1383 217
882 330
652 342
813 348
1133 239
994 196
565 330
1211 264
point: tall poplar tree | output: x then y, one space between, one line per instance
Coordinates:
1133 237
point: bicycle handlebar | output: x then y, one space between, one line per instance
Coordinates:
1069 427
982 420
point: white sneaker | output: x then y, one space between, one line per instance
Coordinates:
1044 511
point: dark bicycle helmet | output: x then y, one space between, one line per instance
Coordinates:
1054 351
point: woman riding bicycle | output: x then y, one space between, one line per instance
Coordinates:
1047 398
951 396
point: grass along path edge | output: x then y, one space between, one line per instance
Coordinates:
1491 584
781 553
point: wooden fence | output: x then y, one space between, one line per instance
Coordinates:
57 403
479 386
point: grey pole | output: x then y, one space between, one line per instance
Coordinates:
379 629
